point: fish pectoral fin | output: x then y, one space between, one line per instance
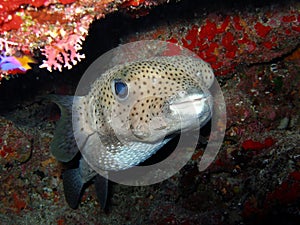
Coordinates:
73 187
101 187
63 145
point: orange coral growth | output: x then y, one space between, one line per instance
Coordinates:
133 3
19 203
288 19
262 30
294 56
236 23
44 16
60 222
208 31
12 24
66 1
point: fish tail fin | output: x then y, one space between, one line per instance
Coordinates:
101 187
73 187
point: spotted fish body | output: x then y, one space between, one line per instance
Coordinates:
130 112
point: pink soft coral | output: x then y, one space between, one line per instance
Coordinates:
63 53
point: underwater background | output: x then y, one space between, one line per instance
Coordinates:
253 48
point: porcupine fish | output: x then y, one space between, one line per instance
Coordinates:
130 112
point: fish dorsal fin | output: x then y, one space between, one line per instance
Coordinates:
63 145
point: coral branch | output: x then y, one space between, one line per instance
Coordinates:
64 52
6 47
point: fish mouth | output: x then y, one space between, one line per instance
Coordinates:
192 108
191 105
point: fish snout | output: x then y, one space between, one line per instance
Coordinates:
191 110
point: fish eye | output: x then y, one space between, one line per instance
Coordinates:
120 89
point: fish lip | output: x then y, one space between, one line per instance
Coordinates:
192 106
194 98
187 100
